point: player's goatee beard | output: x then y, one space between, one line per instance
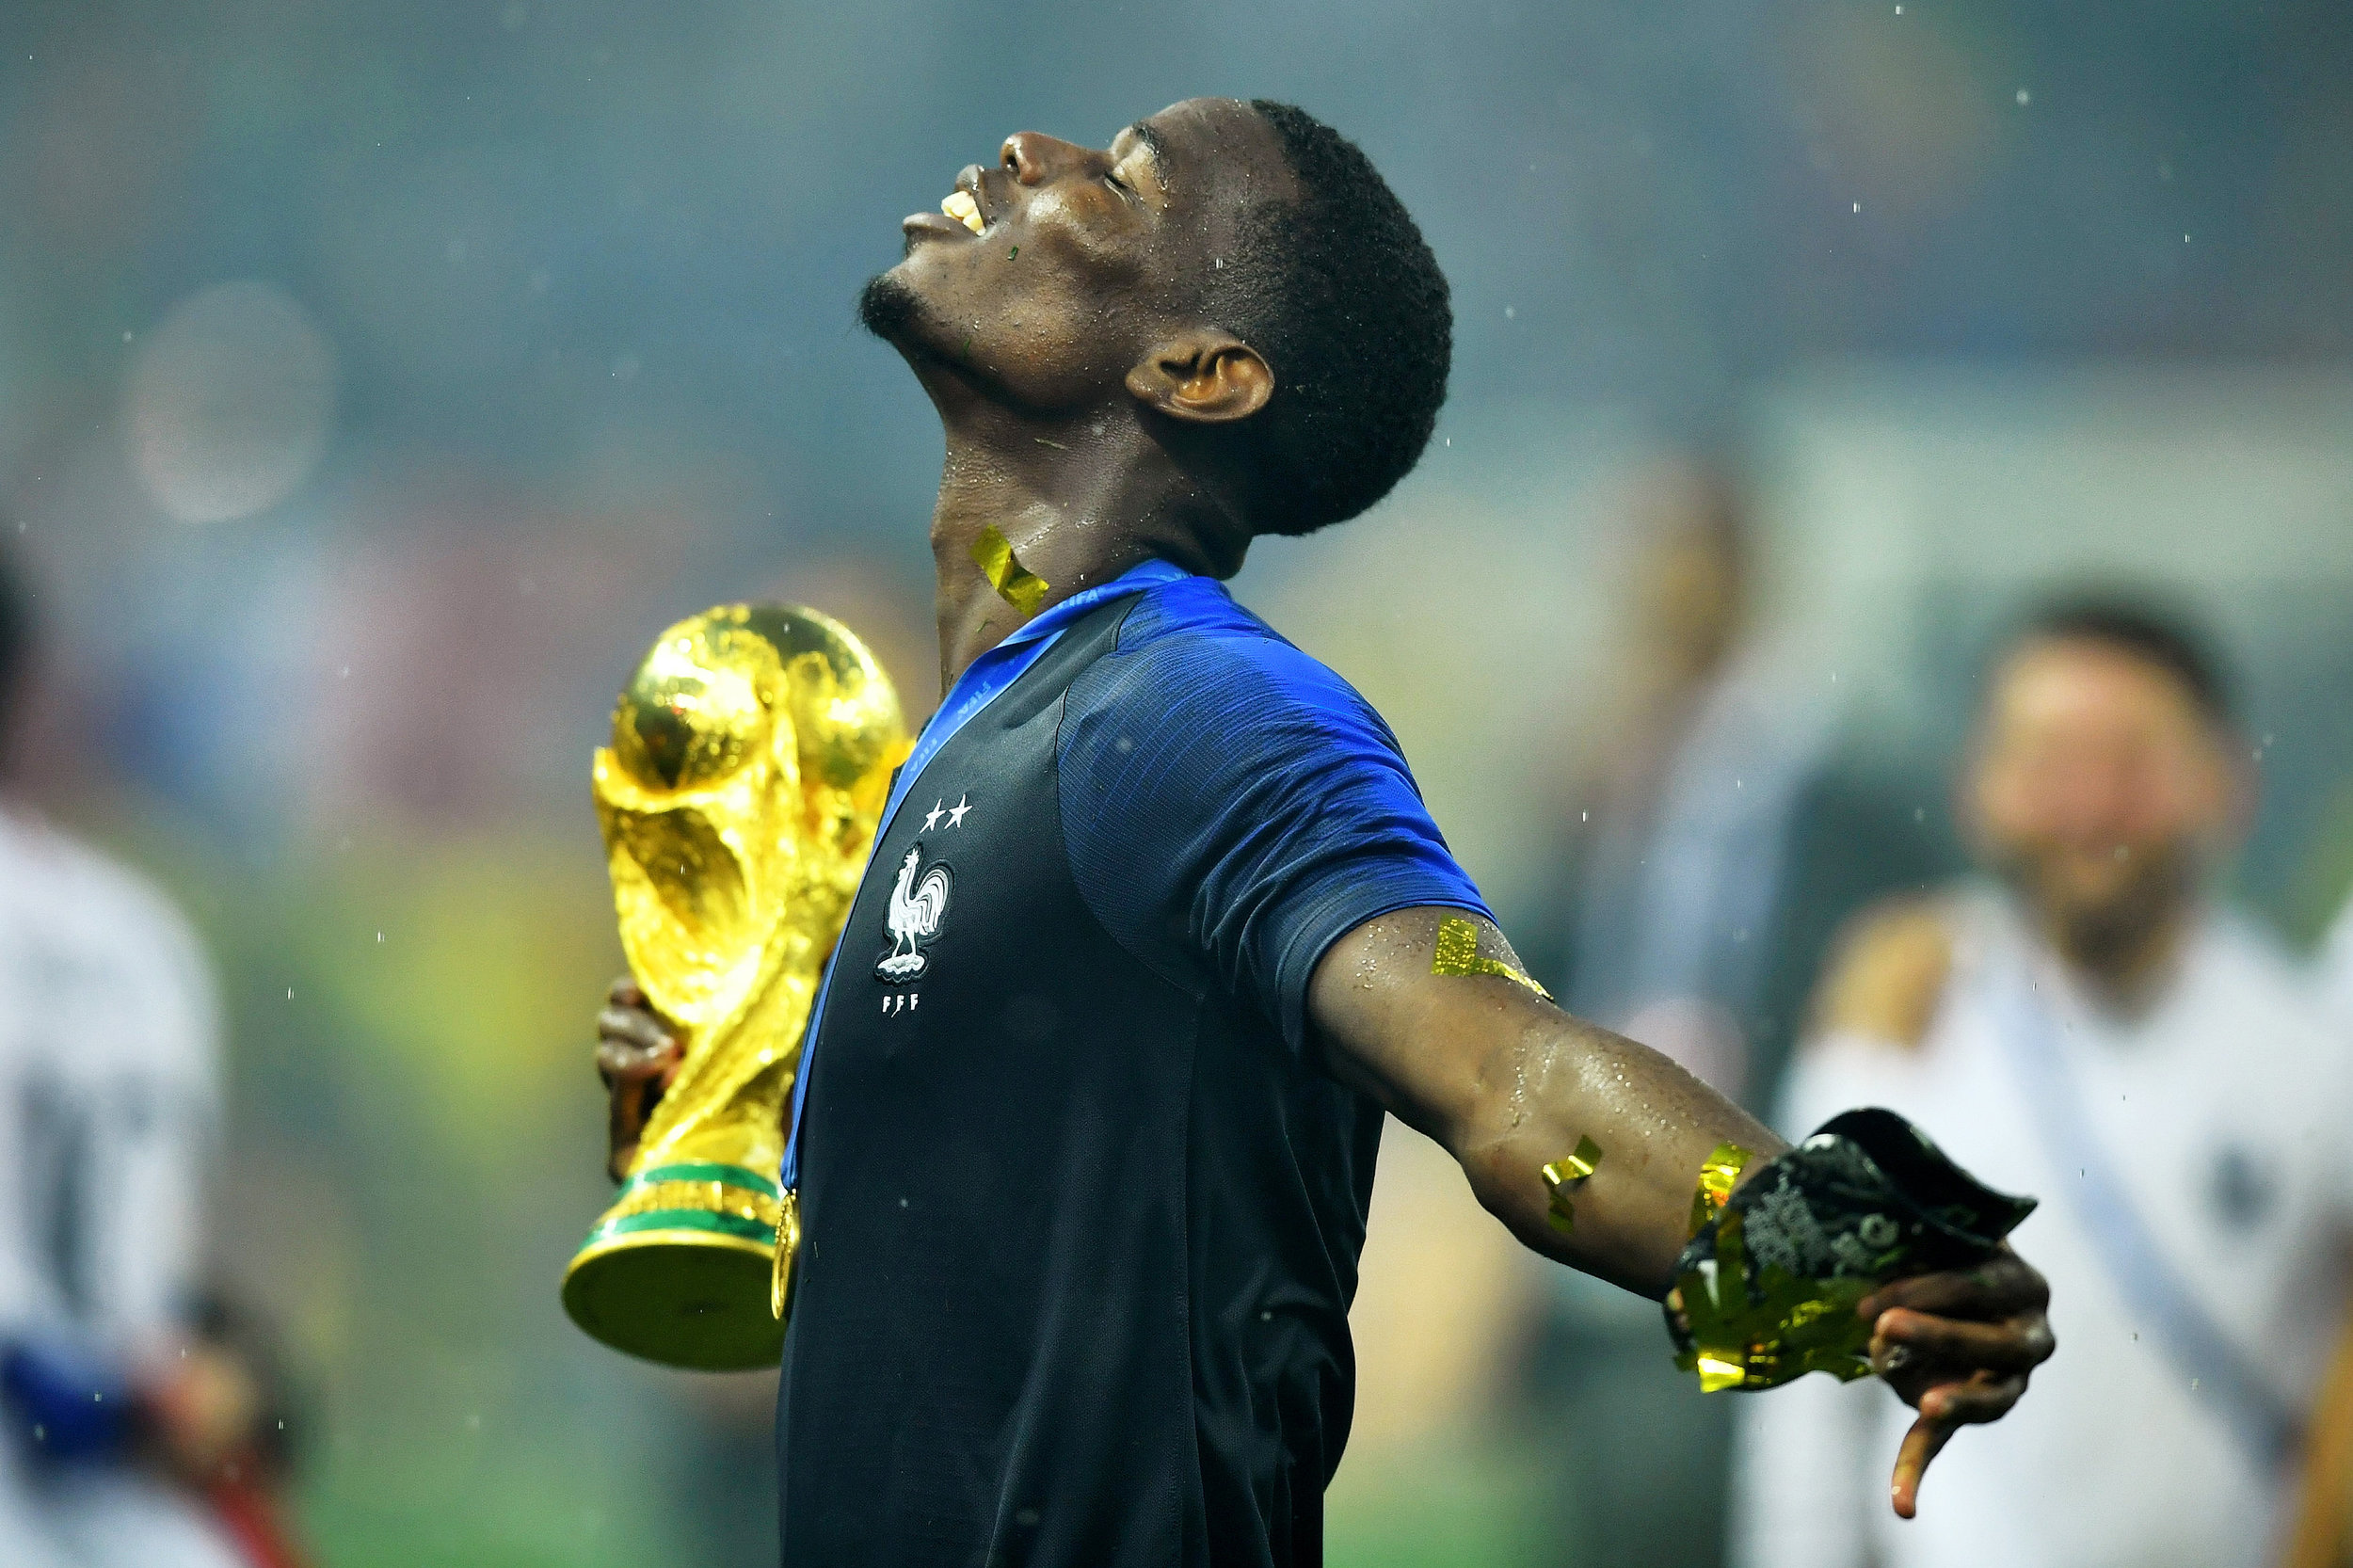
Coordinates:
887 308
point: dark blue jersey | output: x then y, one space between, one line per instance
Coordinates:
1082 1210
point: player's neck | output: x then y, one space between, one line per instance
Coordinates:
1080 498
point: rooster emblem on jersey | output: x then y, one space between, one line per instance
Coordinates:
916 905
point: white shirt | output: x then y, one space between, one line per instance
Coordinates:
109 1066
2336 966
2223 1111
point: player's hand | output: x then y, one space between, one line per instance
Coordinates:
637 1056
202 1412
1957 1347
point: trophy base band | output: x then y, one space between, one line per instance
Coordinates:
679 1270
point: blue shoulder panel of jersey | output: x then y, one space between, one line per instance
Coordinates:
1231 807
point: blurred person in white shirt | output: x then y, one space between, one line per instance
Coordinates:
131 1426
2336 965
2323 1536
2092 1026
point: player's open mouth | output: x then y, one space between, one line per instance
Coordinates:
959 215
960 206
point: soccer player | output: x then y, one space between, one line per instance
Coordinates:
1157 928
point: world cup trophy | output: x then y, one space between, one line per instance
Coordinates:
752 753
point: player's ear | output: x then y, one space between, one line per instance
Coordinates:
1204 376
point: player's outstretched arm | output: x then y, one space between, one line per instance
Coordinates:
1429 1013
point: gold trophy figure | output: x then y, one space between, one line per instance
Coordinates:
751 756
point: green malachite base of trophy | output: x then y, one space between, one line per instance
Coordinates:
678 1269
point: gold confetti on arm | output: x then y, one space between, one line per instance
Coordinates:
1016 583
1718 1172
1458 953
1565 1176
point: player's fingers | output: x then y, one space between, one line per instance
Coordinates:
1923 1442
627 1059
1974 1400
617 1063
633 1026
2010 1347
626 992
2002 1286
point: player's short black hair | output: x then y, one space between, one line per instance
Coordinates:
2167 639
1348 306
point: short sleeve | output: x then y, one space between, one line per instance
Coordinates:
1231 807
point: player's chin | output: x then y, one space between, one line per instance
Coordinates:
891 308
905 309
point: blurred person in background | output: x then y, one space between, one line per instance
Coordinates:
2092 1025
2336 965
1710 850
142 1426
2323 1537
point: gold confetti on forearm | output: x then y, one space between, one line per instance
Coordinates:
1458 953
1565 1176
1016 583
1718 1172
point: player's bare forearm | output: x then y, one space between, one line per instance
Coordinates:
1417 1013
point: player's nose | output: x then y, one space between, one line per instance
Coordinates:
1033 158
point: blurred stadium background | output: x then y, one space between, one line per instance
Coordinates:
377 380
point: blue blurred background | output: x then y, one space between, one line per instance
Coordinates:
376 380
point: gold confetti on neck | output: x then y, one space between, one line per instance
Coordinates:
1718 1172
1458 953
1565 1176
1016 583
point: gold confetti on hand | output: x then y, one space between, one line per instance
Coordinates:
1565 1176
1718 1173
1016 583
1458 953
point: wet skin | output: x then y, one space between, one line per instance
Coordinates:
1091 389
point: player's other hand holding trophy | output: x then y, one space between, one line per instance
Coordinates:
751 756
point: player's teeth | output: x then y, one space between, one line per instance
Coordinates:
961 207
